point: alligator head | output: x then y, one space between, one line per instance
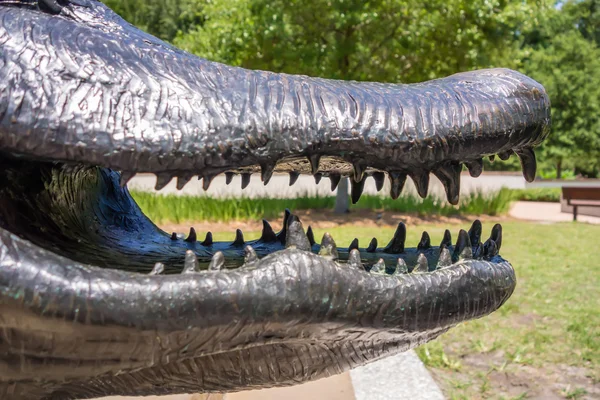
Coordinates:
96 300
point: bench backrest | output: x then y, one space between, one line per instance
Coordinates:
581 193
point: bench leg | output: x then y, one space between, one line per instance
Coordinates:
574 213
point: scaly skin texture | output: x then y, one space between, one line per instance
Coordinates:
96 300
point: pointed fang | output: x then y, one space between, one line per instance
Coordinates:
239 238
445 259
208 240
162 180
379 178
357 189
422 264
353 245
496 235
354 259
126 176
228 177
475 167
335 180
328 247
463 246
268 235
397 181
296 236
449 175
190 264
372 246
378 267
314 163
421 180
294 177
311 236
217 262
425 242
266 172
250 256
246 180
401 267
192 236
528 163
158 269
396 245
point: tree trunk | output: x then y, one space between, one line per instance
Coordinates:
559 169
342 200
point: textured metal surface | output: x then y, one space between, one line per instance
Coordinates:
84 94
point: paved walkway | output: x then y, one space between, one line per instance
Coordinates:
546 213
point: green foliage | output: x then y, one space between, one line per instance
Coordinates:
177 209
383 40
551 195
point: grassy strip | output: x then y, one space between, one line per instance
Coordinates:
537 194
177 209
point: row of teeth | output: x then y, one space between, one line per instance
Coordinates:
468 246
448 174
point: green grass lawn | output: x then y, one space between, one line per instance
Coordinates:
545 340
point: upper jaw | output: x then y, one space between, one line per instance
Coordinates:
138 105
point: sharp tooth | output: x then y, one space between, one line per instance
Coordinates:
328 247
505 155
496 235
190 264
126 176
372 246
397 181
425 242
449 175
354 259
314 163
475 233
528 163
492 158
250 256
311 236
208 240
246 180
421 180
447 239
357 189
335 181
266 172
463 247
379 178
396 245
192 236
183 180
217 262
239 238
162 180
422 264
293 177
475 167
490 249
228 177
268 235
401 267
296 236
353 245
158 269
445 259
318 177
207 180
378 267
282 234
359 171
174 236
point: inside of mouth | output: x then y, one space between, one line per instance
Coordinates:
83 213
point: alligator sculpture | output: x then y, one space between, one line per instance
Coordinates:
96 300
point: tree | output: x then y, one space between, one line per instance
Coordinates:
562 53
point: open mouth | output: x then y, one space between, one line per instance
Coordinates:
87 101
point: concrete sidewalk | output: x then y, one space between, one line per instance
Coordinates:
546 213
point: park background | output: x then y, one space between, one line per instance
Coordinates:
545 342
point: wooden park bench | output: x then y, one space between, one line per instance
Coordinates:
581 196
